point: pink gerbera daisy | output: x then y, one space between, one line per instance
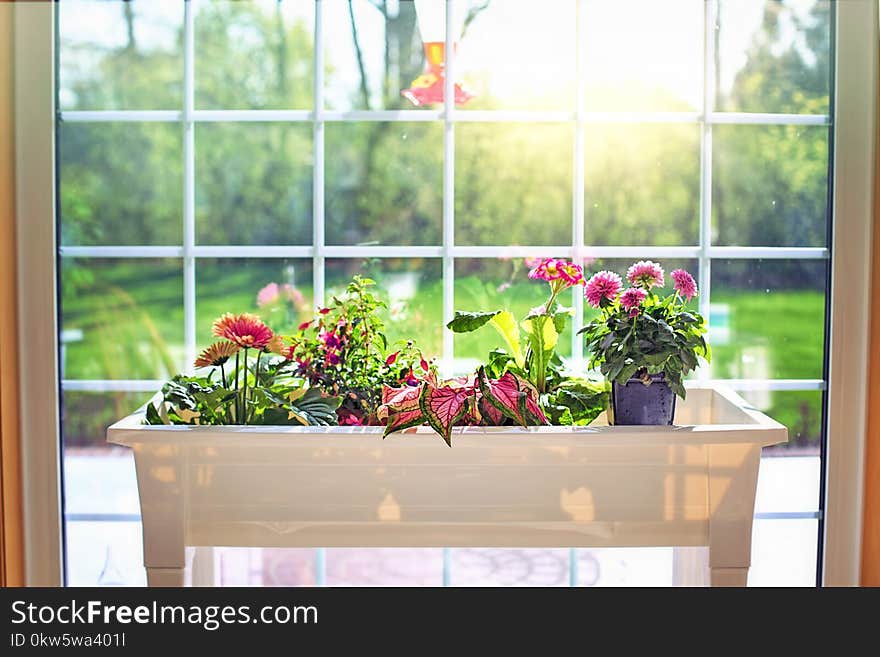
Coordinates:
217 354
245 330
685 284
632 299
645 274
602 288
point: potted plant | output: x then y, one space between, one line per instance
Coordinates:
643 343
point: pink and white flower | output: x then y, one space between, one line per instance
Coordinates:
645 274
602 288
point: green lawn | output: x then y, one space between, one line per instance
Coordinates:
132 329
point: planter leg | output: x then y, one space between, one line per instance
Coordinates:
165 577
729 576
161 475
733 480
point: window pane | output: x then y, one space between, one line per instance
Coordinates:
784 552
643 55
254 55
484 284
773 56
413 290
770 185
105 554
768 319
98 478
121 319
120 183
642 185
254 183
801 412
120 55
520 55
371 60
278 290
384 183
513 176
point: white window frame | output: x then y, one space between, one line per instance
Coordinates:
35 115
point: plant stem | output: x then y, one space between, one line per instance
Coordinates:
540 365
223 375
244 390
237 399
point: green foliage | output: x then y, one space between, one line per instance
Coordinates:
275 400
343 351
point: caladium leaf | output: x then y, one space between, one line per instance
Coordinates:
444 406
513 396
400 408
488 413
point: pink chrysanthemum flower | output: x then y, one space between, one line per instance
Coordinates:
633 298
602 287
645 274
268 294
245 330
685 284
217 354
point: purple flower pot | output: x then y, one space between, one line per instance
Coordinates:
637 403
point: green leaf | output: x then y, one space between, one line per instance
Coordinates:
153 416
505 323
465 322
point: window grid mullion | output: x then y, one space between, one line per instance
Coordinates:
318 223
189 262
448 226
705 262
578 203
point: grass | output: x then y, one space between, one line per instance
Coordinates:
130 314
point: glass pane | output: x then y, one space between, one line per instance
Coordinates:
643 55
254 183
773 56
121 319
384 567
105 554
384 183
120 55
801 412
413 290
98 478
254 55
642 185
374 51
784 552
516 176
792 483
278 290
484 284
100 161
768 319
770 185
520 55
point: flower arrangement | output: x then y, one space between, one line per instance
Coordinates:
522 383
242 379
638 333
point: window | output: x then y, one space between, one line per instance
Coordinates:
206 149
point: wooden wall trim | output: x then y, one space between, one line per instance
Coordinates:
11 520
871 522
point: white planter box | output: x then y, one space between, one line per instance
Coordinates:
689 484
